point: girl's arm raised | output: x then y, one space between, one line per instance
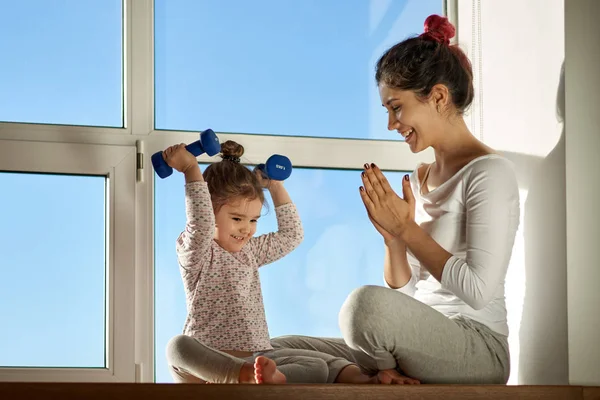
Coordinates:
273 246
279 195
194 243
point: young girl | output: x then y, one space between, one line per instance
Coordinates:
226 338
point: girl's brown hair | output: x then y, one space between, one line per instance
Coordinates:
228 179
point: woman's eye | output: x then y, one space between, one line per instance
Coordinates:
237 219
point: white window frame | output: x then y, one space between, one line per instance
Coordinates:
117 163
113 152
466 16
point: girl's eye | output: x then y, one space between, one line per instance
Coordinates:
253 221
237 219
396 109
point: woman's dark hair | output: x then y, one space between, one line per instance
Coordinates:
421 62
228 179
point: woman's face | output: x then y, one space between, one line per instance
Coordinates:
416 120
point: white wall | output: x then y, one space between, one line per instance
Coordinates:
520 114
582 90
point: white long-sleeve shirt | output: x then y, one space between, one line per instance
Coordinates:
474 216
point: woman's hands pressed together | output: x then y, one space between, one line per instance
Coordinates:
389 213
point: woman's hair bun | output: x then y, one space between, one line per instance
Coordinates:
438 28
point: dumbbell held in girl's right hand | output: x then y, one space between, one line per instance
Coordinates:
208 143
277 168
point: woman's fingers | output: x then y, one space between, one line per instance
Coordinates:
366 200
407 191
374 181
368 187
381 179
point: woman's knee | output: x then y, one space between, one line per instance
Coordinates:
362 302
363 313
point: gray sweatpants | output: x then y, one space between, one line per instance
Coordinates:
191 361
384 329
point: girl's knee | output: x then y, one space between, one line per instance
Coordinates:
178 347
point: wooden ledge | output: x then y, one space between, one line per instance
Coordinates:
149 391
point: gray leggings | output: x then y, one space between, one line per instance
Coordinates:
191 361
384 329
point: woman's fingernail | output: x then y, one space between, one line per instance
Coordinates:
362 174
362 189
406 177
373 165
366 166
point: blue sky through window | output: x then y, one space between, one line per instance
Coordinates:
61 62
52 270
303 68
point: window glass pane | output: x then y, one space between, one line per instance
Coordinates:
52 270
61 62
304 291
302 68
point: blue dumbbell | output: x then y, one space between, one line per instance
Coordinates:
208 143
277 167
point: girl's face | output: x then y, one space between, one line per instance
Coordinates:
236 223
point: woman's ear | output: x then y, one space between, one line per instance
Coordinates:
439 97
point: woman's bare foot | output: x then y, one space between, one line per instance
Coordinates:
265 371
353 374
393 377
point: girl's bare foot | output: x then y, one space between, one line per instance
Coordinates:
393 377
265 371
247 374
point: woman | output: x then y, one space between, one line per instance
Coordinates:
448 241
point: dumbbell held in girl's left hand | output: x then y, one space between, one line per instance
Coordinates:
277 168
208 143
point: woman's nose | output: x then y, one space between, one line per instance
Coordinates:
392 122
